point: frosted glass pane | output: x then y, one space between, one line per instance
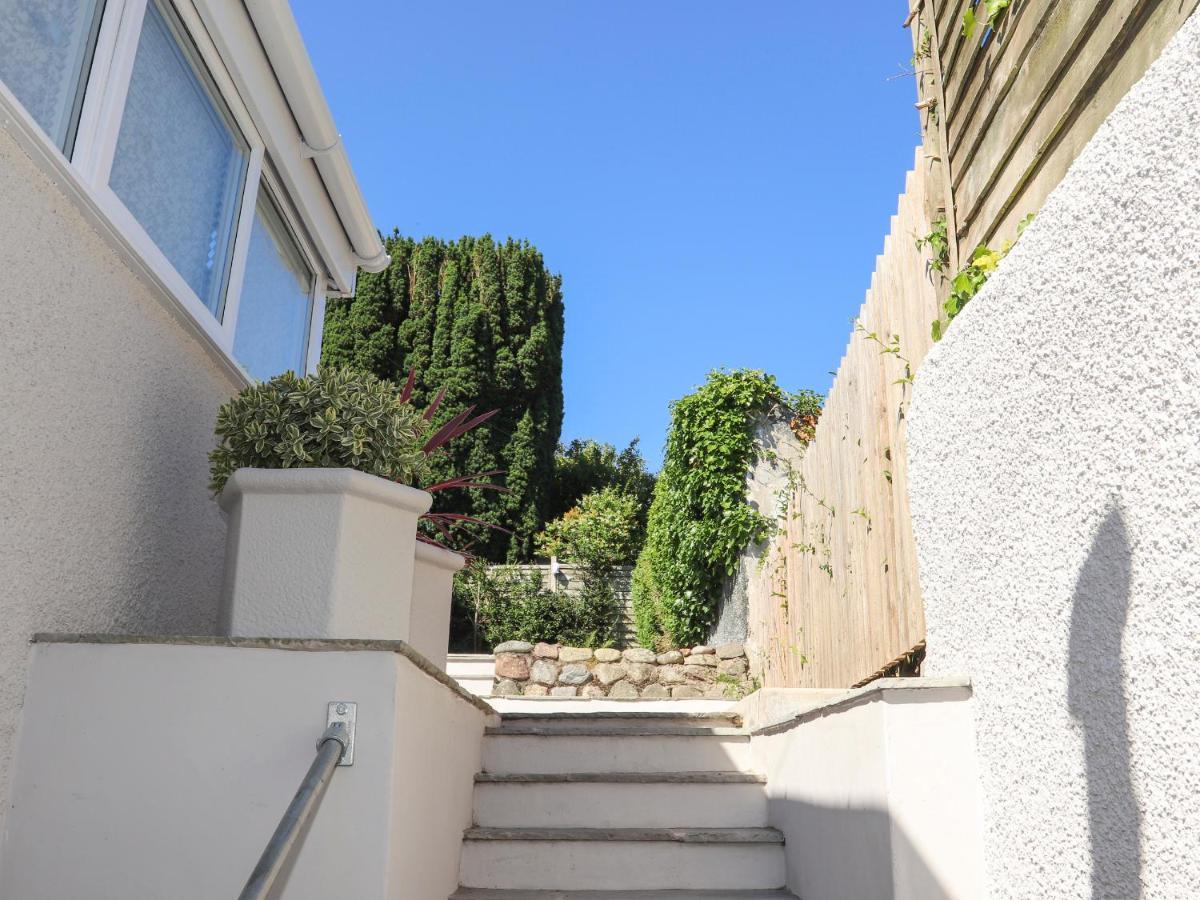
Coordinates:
273 314
179 163
45 49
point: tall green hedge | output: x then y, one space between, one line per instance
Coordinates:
484 320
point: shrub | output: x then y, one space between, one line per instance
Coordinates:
600 533
336 418
498 604
583 467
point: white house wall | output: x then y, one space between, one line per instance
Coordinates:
1054 446
107 406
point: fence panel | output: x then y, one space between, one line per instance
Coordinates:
843 598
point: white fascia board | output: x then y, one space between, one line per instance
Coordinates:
306 187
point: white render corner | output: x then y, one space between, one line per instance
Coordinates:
225 729
319 553
432 591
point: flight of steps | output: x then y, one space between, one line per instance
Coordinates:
628 806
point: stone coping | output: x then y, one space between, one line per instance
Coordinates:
310 645
869 693
441 557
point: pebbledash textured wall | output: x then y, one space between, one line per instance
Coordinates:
108 405
1054 444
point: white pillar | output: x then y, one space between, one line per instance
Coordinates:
432 592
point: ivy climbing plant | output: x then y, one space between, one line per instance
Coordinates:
989 10
700 520
967 283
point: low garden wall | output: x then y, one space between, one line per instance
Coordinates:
551 670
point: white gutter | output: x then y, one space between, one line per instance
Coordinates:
285 50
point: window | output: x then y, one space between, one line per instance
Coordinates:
276 300
46 49
156 140
180 162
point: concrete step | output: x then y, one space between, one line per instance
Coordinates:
491 894
532 749
473 671
623 859
695 800
608 718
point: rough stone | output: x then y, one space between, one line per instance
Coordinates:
506 687
609 673
731 651
574 654
535 690
574 673
655 692
639 655
546 651
707 659
671 675
512 665
607 655
591 691
670 658
685 692
563 690
701 649
719 691
543 671
733 666
700 673
514 647
640 673
685 651
623 690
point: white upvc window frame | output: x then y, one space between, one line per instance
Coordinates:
86 174
269 182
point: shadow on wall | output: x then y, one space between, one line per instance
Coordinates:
1096 699
835 853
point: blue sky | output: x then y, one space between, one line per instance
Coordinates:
713 180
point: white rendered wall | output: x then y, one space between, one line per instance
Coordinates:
1054 453
152 770
107 405
876 793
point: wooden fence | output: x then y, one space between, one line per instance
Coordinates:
1005 114
1012 109
844 599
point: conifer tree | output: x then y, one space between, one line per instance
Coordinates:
484 320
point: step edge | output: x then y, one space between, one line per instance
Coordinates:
611 731
467 893
680 778
728 836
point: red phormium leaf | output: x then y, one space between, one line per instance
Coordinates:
433 407
447 431
451 518
470 481
406 394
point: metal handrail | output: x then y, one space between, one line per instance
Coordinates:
330 748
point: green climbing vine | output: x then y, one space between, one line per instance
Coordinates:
967 283
990 13
700 520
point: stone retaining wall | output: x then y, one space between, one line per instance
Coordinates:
551 670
